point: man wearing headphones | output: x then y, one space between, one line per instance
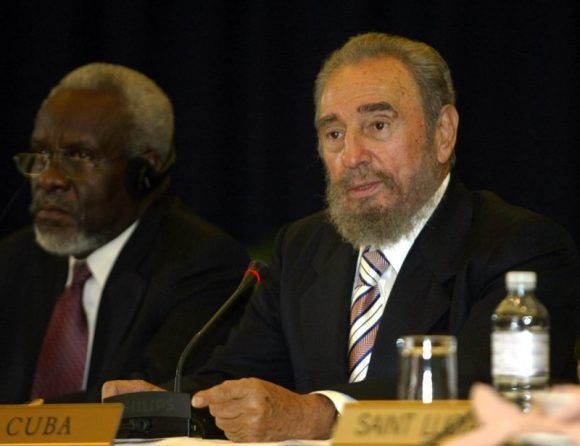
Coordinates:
114 276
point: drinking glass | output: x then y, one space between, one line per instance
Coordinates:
427 368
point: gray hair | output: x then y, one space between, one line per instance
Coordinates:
149 108
428 68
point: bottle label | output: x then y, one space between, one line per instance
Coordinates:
520 353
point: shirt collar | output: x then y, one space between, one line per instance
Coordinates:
396 252
101 260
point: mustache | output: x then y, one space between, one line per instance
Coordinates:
354 177
42 200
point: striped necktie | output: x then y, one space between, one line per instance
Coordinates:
61 362
365 313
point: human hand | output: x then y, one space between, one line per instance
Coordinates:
501 420
254 410
119 387
563 402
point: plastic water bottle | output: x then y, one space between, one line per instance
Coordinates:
520 342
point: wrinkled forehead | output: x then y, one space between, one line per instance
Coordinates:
380 80
73 116
70 105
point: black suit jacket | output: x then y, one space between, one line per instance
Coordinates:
295 330
170 277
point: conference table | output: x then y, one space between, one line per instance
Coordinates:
185 441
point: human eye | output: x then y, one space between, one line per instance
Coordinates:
333 134
331 138
80 154
40 150
379 125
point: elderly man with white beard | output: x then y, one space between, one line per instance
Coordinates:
403 248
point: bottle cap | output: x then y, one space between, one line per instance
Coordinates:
514 279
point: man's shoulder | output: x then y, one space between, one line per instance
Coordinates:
176 220
480 228
494 215
498 230
486 215
180 217
176 233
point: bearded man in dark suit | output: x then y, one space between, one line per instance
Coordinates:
387 128
98 165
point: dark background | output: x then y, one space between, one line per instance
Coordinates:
240 74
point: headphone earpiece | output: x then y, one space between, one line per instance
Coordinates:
141 177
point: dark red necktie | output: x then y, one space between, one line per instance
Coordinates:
61 362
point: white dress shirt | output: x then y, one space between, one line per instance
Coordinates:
100 262
396 254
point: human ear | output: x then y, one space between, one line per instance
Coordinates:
446 133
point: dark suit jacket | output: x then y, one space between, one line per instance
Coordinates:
171 276
295 329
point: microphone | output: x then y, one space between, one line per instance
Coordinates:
252 276
170 414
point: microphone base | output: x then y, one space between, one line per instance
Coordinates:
156 427
162 415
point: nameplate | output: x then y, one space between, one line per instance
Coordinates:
400 423
59 424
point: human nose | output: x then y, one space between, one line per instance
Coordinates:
355 150
52 176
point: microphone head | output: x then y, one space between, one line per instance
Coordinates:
257 268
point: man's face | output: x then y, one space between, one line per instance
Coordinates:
77 215
381 163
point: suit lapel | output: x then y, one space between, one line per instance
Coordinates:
121 300
420 302
124 291
415 304
324 311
